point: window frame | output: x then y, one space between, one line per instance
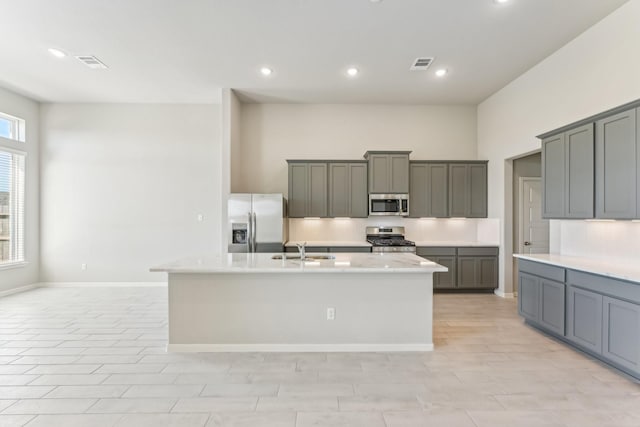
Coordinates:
17 129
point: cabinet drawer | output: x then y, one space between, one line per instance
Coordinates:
480 251
629 291
543 270
435 251
337 249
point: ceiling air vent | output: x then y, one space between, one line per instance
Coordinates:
421 64
91 61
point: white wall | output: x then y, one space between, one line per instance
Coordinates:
596 71
272 133
29 110
122 186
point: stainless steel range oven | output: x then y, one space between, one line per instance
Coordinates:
389 239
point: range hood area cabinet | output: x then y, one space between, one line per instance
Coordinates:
590 169
388 172
327 189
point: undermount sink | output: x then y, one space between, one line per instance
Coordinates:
307 258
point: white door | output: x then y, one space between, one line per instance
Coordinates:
534 231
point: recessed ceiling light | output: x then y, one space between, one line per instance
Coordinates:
353 71
57 52
441 72
266 71
500 1
375 1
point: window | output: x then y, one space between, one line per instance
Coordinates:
11 207
12 127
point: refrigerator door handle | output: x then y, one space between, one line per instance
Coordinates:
249 233
254 232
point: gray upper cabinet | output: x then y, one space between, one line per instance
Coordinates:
568 174
468 189
348 190
308 189
616 167
428 190
388 171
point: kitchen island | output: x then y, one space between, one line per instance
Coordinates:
252 302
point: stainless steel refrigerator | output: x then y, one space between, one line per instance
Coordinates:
257 222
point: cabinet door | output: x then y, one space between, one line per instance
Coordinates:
445 280
487 272
552 303
418 206
339 202
298 187
579 173
399 173
379 173
529 296
621 333
584 317
477 191
437 190
616 159
458 190
358 192
317 190
553 176
468 272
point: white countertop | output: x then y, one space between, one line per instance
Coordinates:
329 243
343 263
455 243
614 269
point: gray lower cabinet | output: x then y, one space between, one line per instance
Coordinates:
621 333
308 189
348 190
568 174
470 268
584 318
388 171
428 190
602 314
616 168
468 190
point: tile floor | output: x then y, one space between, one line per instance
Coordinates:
95 357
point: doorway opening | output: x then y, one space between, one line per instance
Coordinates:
530 230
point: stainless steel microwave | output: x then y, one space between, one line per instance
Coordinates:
388 204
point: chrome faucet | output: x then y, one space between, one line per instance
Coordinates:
301 250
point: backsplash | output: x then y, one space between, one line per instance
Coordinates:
619 240
485 230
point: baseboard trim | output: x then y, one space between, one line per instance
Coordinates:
296 348
17 290
502 294
100 284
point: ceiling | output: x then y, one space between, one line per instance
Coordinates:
172 51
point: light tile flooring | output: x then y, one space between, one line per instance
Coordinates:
95 357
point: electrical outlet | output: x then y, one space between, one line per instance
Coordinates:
83 266
331 313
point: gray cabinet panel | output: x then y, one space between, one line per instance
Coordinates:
478 251
477 272
584 317
529 296
429 190
358 192
351 249
317 193
467 275
399 173
458 190
550 272
477 191
445 280
379 173
552 303
621 333
616 166
339 203
425 251
298 187
553 177
579 169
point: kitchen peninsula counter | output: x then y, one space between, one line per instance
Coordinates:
251 302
